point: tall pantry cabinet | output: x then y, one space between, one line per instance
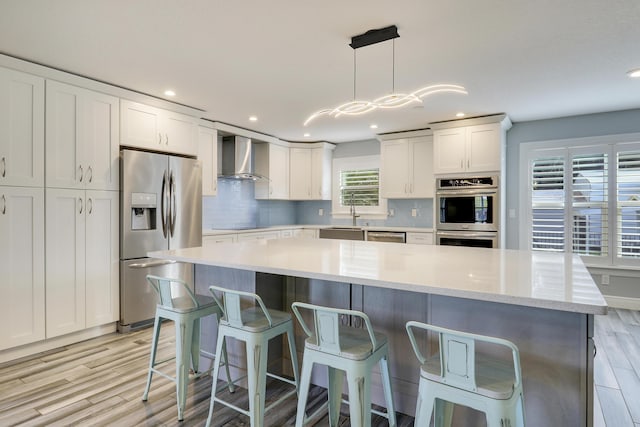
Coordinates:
82 215
22 305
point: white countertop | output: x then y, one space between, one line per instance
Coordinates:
214 232
532 279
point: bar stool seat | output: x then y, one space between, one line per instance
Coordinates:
179 304
459 374
345 351
255 326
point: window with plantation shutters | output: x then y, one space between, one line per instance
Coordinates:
356 181
584 199
359 187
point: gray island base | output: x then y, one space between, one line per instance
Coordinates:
553 330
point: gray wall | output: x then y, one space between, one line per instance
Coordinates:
610 123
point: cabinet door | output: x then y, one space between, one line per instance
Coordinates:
483 148
394 173
22 266
99 125
208 156
422 185
449 150
300 174
278 172
320 174
179 133
21 129
102 258
140 126
65 261
64 168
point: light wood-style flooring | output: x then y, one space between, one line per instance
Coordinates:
100 382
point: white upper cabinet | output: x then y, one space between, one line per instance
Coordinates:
82 138
144 126
208 156
406 168
272 162
22 265
475 148
310 172
21 129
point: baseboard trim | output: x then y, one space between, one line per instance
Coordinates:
13 354
623 302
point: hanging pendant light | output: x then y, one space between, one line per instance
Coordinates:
393 100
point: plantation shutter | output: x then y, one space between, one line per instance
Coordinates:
360 187
547 204
628 204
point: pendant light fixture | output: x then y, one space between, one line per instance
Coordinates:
393 100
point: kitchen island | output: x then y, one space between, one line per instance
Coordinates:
543 302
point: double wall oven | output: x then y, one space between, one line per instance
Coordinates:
468 211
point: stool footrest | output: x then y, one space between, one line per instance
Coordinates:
283 379
232 406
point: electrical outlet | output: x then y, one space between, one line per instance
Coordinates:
414 212
320 212
392 212
605 279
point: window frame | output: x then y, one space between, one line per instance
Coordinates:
610 145
355 163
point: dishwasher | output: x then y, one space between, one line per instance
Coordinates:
386 236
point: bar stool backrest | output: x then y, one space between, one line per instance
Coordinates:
230 305
458 354
169 290
326 321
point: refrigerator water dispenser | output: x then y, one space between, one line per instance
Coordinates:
143 211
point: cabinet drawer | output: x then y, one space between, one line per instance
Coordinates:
420 238
212 240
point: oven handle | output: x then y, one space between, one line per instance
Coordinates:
486 234
467 193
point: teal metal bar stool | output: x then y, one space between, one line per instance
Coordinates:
354 351
178 303
255 326
459 374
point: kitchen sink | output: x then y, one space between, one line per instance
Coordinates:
345 233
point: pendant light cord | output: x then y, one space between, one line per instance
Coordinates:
393 66
354 74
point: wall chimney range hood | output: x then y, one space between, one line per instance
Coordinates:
237 162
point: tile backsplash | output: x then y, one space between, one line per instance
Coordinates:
235 207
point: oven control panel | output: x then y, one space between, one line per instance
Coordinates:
473 182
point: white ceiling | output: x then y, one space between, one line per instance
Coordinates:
282 60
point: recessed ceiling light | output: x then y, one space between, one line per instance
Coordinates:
307 135
374 126
169 93
253 118
634 73
459 114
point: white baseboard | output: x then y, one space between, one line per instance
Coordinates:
623 302
53 343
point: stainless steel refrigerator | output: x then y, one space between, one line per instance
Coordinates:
161 208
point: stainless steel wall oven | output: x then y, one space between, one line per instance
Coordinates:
468 211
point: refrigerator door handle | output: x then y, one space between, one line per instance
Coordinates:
173 205
151 264
163 205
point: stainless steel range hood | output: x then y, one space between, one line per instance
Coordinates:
237 162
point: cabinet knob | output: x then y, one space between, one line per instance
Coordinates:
89 206
4 205
81 205
4 166
90 173
166 139
81 172
159 138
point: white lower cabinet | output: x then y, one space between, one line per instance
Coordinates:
306 232
22 305
420 238
81 260
260 235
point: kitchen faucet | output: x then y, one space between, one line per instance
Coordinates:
353 212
